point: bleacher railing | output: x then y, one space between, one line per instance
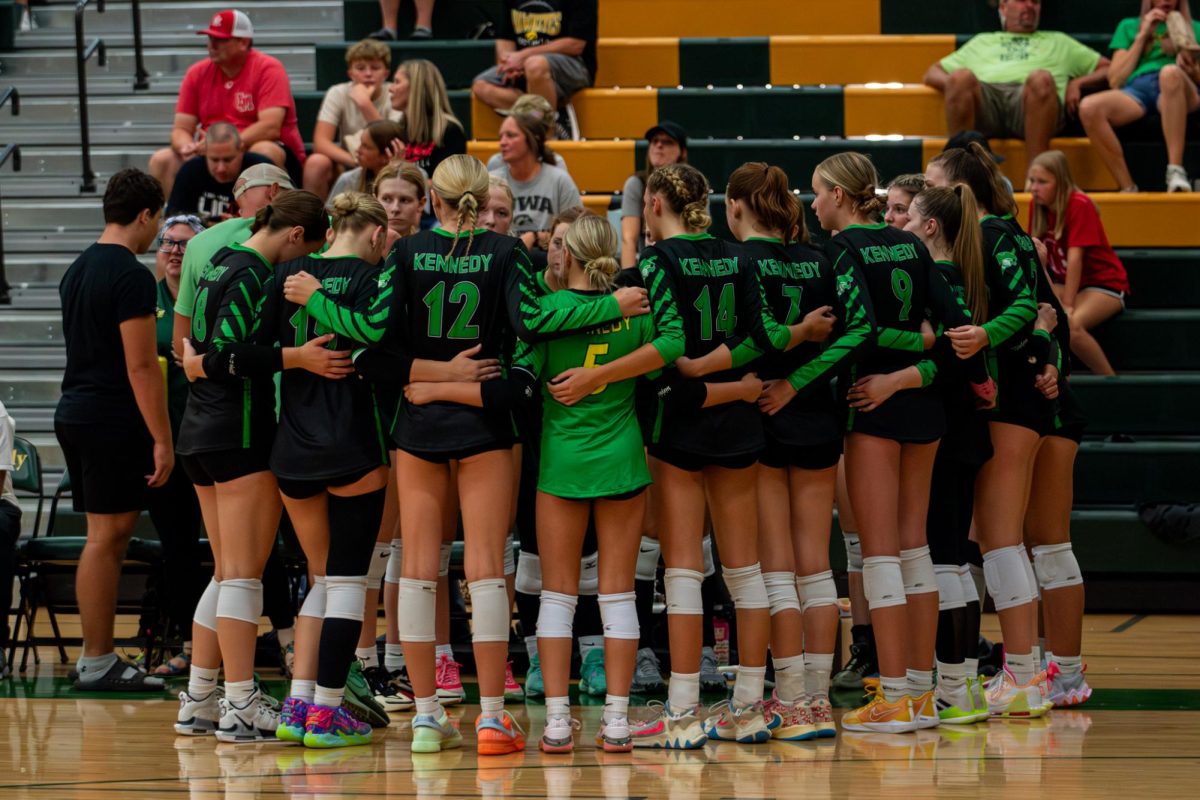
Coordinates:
12 97
141 78
82 55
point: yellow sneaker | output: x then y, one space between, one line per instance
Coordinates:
880 716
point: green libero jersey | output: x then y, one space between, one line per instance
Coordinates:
593 448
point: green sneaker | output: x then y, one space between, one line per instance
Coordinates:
434 734
591 673
534 687
360 699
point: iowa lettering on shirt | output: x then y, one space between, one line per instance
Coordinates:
703 268
458 265
877 254
535 202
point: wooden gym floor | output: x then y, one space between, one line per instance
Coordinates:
1139 736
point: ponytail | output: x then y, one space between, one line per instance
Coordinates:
976 167
592 242
856 176
764 189
294 208
956 212
686 191
462 183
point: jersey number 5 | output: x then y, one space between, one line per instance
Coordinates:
464 292
726 311
594 351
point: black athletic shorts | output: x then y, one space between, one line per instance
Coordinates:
222 466
693 462
304 488
108 466
445 457
1070 421
912 416
780 455
1018 400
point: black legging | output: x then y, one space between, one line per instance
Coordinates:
951 504
175 512
10 530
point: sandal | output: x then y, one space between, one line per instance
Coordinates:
176 666
122 677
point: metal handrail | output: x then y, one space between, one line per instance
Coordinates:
82 55
11 93
141 78
8 95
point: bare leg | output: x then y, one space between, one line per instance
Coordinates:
1092 308
1179 98
963 96
619 533
1100 113
1041 112
916 470
775 513
310 518
164 166
495 96
424 13
1048 521
812 502
859 613
97 577
319 172
206 649
561 525
679 507
540 80
389 10
271 151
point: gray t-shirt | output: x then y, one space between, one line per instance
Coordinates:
346 182
632 195
536 201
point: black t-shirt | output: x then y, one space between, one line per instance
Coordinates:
196 191
427 155
535 22
104 287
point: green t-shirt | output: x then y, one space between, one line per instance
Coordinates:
593 448
1001 57
200 251
1153 58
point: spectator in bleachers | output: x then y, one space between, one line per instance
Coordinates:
539 187
430 131
28 23
545 47
1018 82
236 84
401 188
667 145
1149 74
1088 276
112 420
497 215
204 185
900 192
389 10
347 109
10 528
534 112
378 145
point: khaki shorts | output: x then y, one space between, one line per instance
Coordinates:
1002 111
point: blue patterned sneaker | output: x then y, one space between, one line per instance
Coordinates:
534 686
292 720
434 734
334 727
591 673
743 725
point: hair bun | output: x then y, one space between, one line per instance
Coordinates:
345 204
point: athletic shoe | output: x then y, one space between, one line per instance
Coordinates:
955 708
534 686
711 678
121 676
880 716
925 711
1007 700
391 694
513 693
291 721
359 699
334 727
498 736
1067 690
559 735
647 677
421 33
383 35
822 716
287 659
450 690
591 673
788 722
433 734
978 700
1177 179
1043 686
566 128
670 730
198 717
253 722
861 664
742 725
615 735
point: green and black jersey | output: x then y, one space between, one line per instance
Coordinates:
593 448
967 439
327 428
1011 271
226 412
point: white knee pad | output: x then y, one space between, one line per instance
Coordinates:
345 596
510 558
618 613
817 590
556 615
647 563
1056 566
529 573
379 564
395 564
1007 581
419 601
710 564
206 607
976 573
916 569
970 591
241 599
883 582
746 587
314 602
1030 575
490 612
854 558
781 591
589 575
444 564
683 591
949 586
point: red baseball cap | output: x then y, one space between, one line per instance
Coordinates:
229 24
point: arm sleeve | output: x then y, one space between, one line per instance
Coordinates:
382 365
236 324
568 192
189 93
1083 227
368 320
531 321
580 20
1009 291
761 324
1083 58
669 339
678 393
1124 35
243 360
960 57
274 91
506 30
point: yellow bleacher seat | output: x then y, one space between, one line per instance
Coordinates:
603 114
736 17
855 59
637 62
1143 220
909 109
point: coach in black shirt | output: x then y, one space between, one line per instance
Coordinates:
112 418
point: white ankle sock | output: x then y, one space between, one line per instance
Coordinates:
444 650
683 693
1021 666
328 698
531 646
239 692
817 667
491 706
748 688
893 688
369 656
202 681
971 667
393 657
615 706
920 681
789 678
303 690
951 677
1069 665
558 707
589 643
428 706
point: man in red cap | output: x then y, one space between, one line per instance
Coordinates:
239 85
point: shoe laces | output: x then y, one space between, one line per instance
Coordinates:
447 671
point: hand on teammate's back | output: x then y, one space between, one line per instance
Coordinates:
300 287
633 301
317 358
818 324
469 369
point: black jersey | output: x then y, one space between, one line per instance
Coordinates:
225 412
327 428
1011 271
967 439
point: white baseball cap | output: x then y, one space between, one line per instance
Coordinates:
229 24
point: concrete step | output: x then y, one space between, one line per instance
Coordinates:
18 359
126 134
66 162
15 67
35 270
23 328
309 16
32 387
56 111
43 298
54 215
48 242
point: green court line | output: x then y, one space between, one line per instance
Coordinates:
1129 623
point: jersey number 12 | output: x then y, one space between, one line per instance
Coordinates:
465 293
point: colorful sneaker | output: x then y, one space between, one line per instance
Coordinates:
670 730
954 707
513 693
255 721
334 727
591 673
862 664
434 734
1042 683
198 717
925 711
1007 700
559 735
450 690
647 676
1064 690
534 686
743 725
822 717
880 716
360 698
978 700
291 721
711 677
789 723
615 736
498 736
